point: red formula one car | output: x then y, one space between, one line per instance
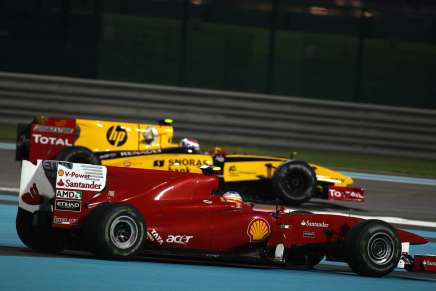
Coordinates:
118 213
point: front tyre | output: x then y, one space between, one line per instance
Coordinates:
373 248
294 182
115 231
41 238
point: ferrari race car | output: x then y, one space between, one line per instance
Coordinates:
150 146
119 213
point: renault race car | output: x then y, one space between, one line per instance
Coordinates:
119 213
150 146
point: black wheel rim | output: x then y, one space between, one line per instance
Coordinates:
380 248
297 183
123 232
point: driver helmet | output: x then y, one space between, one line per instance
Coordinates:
190 144
232 196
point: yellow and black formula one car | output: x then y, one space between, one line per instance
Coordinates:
150 146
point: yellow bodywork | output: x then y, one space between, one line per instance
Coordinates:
107 136
144 145
189 163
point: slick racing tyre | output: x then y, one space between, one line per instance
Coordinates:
78 155
42 238
294 182
114 231
373 248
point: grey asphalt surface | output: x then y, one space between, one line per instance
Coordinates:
382 198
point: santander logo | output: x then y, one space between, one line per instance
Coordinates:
81 177
60 183
314 224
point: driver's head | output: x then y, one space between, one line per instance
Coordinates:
190 144
232 196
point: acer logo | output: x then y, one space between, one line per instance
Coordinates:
32 197
40 139
179 239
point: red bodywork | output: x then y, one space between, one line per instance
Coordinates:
49 136
183 211
425 263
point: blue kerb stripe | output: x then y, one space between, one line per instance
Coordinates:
386 178
9 198
423 233
7 146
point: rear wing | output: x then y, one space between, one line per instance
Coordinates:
44 186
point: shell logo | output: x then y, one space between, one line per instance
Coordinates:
61 173
258 229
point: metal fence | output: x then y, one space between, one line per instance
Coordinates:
227 116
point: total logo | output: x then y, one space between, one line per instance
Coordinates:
40 139
344 194
314 224
179 239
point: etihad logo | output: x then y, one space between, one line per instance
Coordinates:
66 205
314 224
258 229
116 135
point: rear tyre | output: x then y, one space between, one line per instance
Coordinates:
114 231
78 155
294 182
42 238
373 248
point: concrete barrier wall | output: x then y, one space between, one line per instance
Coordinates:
227 116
